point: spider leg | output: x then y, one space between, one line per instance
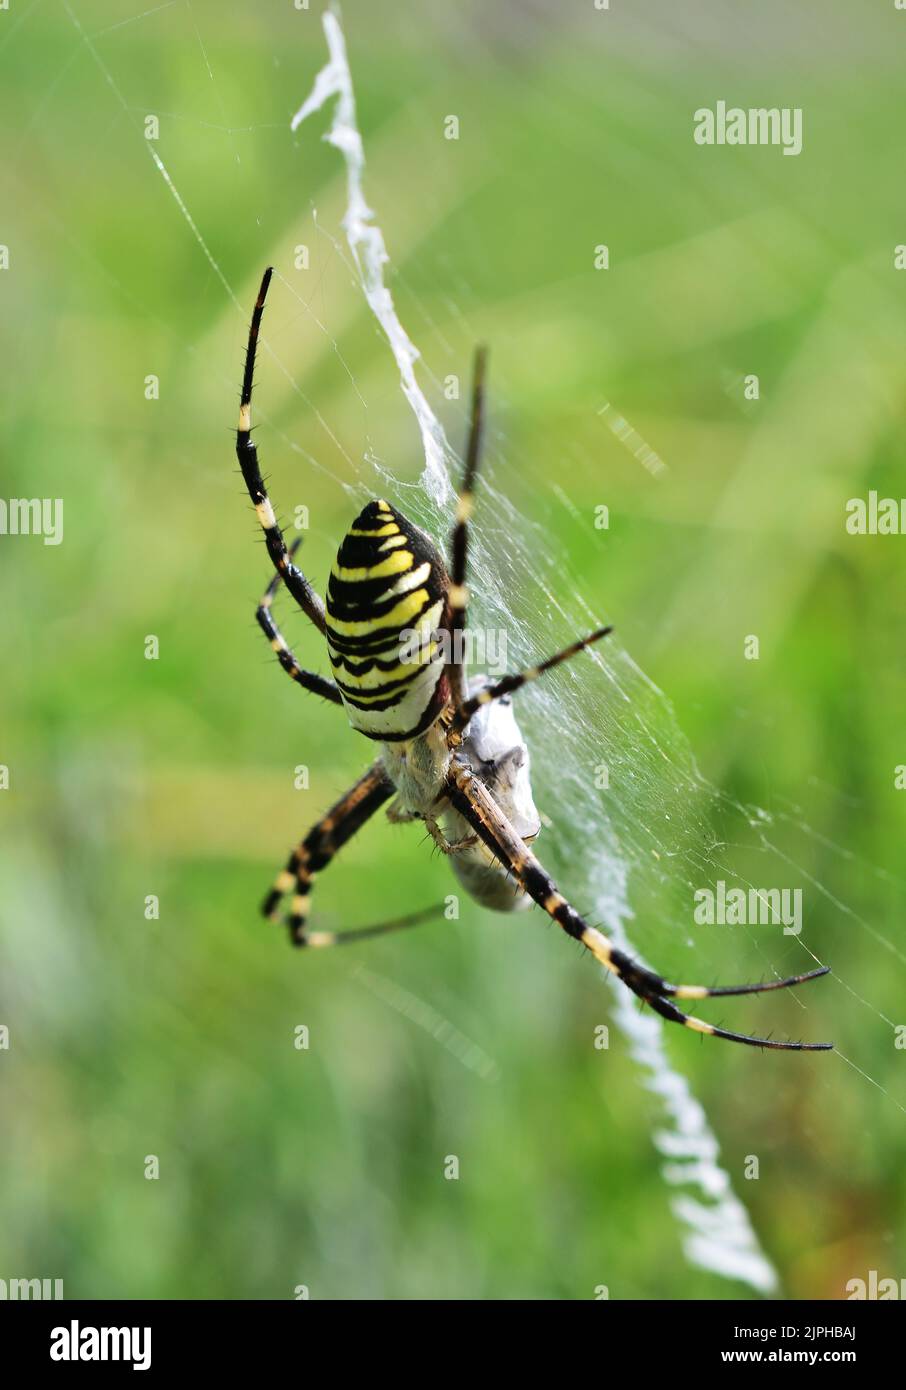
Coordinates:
458 594
320 845
309 680
443 844
310 602
510 683
473 801
345 938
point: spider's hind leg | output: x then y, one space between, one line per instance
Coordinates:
308 600
458 594
309 680
508 684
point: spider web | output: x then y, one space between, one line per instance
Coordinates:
662 830
720 1235
628 855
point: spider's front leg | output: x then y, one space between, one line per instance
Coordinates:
316 851
477 806
443 844
322 842
398 815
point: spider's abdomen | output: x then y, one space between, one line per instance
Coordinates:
385 606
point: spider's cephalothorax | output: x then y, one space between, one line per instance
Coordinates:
386 601
451 753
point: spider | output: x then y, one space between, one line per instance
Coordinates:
451 754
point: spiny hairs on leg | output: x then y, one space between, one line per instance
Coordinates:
475 804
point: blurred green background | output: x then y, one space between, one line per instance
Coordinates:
174 777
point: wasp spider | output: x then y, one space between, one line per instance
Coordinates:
451 754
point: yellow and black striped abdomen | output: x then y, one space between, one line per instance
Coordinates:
386 602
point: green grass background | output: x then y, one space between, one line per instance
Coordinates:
174 1037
